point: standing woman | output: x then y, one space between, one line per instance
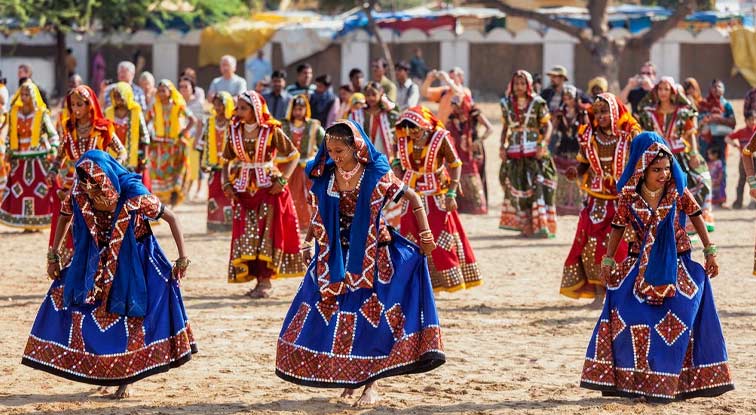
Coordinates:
604 148
31 140
365 309
428 164
265 235
659 335
169 155
567 120
85 129
115 314
464 120
527 172
196 105
131 128
670 115
307 134
219 208
717 119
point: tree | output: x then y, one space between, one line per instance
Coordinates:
604 50
60 17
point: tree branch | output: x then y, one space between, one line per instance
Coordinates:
660 29
541 18
599 19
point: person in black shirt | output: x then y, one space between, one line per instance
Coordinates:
639 86
278 99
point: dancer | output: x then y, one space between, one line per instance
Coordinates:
219 208
659 335
604 147
115 314
265 235
130 127
31 140
463 125
527 172
365 309
307 134
168 155
747 161
84 129
670 115
567 120
428 164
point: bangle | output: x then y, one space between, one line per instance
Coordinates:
710 250
183 262
608 262
417 209
541 144
227 184
53 257
747 152
282 181
751 181
451 194
396 162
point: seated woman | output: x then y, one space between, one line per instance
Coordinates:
115 314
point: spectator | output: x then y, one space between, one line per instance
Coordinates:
188 90
417 67
70 62
325 104
24 73
638 86
555 91
443 94
229 81
537 84
357 80
345 97
693 92
379 68
408 93
4 99
263 86
597 85
257 69
147 83
278 99
303 84
126 73
740 139
74 80
716 121
199 92
749 103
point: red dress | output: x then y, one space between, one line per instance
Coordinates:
306 139
219 207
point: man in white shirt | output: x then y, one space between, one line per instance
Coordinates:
407 92
229 81
257 69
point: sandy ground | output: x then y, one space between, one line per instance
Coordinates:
513 345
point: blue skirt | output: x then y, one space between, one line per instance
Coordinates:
86 343
665 352
389 330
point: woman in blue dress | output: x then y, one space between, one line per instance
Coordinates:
659 335
365 309
114 315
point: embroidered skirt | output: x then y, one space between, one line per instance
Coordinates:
168 169
26 201
529 193
366 334
264 237
580 276
675 350
86 343
219 208
569 200
452 264
699 183
299 185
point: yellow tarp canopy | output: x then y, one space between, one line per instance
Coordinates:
743 44
241 37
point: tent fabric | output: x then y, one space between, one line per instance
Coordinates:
743 45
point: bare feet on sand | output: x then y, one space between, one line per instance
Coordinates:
261 290
348 393
369 396
123 392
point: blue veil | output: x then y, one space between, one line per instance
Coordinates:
128 293
320 170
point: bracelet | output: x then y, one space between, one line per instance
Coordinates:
451 194
396 162
541 144
747 152
227 184
417 209
53 257
710 250
306 248
608 262
751 181
282 181
183 262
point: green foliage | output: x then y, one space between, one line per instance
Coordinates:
338 6
672 4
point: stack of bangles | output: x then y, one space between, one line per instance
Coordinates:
426 236
228 185
452 193
306 247
751 181
710 251
53 257
179 271
608 262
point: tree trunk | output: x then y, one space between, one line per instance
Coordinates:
61 77
377 33
605 53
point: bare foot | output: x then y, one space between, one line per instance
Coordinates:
598 300
261 290
347 393
123 392
369 396
102 390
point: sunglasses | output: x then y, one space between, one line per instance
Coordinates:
647 73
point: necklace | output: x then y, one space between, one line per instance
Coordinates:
348 175
250 127
651 194
611 139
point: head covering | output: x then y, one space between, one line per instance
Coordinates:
622 118
521 73
570 90
384 103
40 109
357 97
712 103
179 105
260 107
658 271
320 170
558 70
696 95
99 123
421 117
297 100
125 291
600 82
135 111
212 137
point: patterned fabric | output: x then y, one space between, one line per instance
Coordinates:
462 127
